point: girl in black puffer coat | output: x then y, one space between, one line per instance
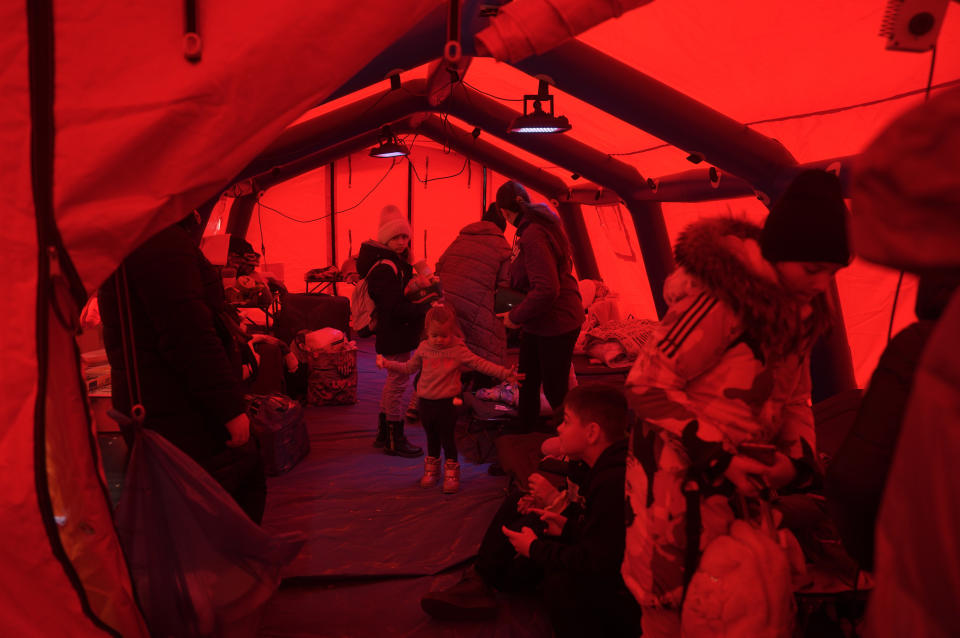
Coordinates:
386 266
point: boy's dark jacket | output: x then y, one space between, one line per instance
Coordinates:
399 321
591 546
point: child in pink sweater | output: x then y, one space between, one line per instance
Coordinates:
439 357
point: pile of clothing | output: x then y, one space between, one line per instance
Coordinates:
605 337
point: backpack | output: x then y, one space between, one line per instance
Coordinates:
363 318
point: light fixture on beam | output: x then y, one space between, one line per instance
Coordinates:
389 145
537 120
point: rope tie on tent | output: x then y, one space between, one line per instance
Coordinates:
192 44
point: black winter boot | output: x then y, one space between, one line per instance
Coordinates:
383 432
397 443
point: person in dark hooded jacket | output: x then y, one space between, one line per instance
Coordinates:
385 264
551 314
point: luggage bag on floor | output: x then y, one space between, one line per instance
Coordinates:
278 424
312 312
333 376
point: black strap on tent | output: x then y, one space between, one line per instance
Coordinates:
452 51
53 268
192 44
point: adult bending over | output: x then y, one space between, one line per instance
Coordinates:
728 365
551 314
470 270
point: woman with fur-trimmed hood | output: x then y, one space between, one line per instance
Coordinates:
729 364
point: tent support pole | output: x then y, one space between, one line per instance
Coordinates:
240 214
654 247
483 196
831 363
410 195
583 256
333 222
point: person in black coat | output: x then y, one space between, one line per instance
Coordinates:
187 364
858 472
385 264
575 556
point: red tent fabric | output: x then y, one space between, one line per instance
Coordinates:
142 136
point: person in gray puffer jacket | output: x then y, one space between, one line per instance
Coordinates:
470 270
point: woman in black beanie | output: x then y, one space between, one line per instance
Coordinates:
551 314
723 389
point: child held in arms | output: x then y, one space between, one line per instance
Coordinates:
581 557
439 358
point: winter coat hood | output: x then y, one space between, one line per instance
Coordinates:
723 254
470 270
481 228
373 251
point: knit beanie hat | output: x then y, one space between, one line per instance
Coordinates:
507 196
493 215
392 223
808 222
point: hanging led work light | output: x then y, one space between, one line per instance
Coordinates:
538 121
389 146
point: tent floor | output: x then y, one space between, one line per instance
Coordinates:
376 541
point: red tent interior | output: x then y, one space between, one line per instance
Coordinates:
125 136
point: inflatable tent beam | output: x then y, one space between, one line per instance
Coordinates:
490 115
501 161
242 210
476 109
460 141
652 106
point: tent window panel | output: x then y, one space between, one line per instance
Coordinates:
617 251
612 221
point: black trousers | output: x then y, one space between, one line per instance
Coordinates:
439 419
577 607
240 471
546 362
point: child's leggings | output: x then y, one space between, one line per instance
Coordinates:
391 400
439 419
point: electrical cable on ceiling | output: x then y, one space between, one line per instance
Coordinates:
393 163
263 248
434 179
497 97
926 90
896 292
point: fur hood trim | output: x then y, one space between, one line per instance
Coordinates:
723 254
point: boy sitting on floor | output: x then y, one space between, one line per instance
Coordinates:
576 559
